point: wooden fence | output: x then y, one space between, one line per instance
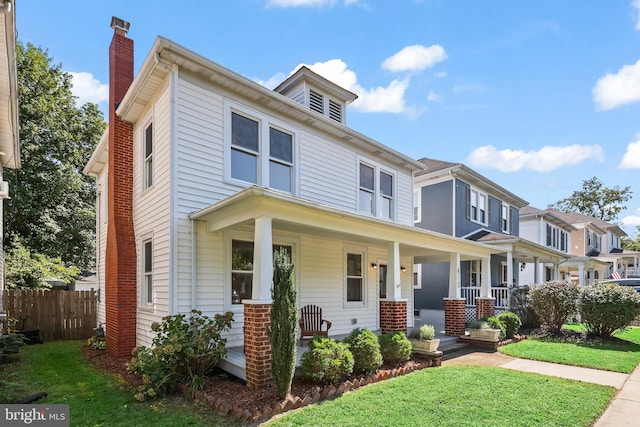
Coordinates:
60 315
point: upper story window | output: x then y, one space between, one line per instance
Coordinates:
505 218
477 203
261 152
148 156
593 240
376 196
557 238
417 206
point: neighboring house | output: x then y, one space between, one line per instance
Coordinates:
579 238
203 173
452 198
9 141
602 241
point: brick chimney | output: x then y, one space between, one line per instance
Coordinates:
120 264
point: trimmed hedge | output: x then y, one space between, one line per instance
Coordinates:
365 348
607 307
395 347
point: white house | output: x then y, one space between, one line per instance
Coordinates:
203 172
9 142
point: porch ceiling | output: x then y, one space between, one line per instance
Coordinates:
527 251
301 216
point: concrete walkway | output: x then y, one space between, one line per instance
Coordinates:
623 410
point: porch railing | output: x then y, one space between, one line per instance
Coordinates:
501 295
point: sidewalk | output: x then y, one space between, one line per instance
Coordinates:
624 409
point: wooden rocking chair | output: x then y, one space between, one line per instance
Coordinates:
311 323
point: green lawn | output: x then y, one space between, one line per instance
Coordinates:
616 357
95 398
461 396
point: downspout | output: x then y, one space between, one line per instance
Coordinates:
173 228
194 253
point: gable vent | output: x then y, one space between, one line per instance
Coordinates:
316 102
335 111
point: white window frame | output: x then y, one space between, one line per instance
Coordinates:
503 273
246 236
148 175
553 238
362 252
505 218
146 277
417 205
475 197
475 269
264 158
376 194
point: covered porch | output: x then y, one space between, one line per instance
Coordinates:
584 270
337 254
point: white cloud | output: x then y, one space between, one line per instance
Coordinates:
636 15
615 90
433 96
631 158
273 81
632 220
546 159
88 89
415 58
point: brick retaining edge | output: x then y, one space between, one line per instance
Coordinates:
295 402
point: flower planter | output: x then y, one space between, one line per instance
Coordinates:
485 334
425 345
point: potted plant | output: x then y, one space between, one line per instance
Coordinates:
423 339
482 330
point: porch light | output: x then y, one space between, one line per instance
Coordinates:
374 265
403 269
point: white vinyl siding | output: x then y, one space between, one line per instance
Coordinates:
147 273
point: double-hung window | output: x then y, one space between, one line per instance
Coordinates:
376 191
147 271
474 273
245 148
148 156
505 218
261 152
280 160
355 284
477 206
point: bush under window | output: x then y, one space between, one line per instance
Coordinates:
326 361
395 347
365 348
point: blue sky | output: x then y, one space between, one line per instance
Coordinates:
538 96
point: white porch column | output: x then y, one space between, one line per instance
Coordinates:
485 280
509 269
536 270
262 260
581 275
556 271
394 287
454 276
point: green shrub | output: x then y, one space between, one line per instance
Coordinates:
10 342
284 320
395 347
519 303
326 361
184 350
365 348
511 321
495 323
607 307
425 332
554 302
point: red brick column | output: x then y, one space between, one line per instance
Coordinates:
120 262
454 316
393 316
257 348
485 307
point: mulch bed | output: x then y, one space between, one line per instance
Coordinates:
229 395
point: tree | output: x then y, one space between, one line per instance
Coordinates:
282 329
52 205
596 201
630 243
